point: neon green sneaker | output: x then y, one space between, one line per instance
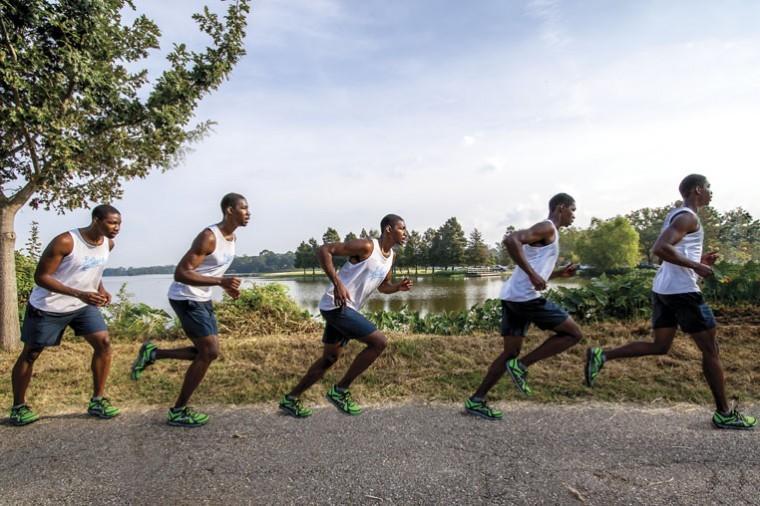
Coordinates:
293 406
102 408
734 420
481 409
594 364
519 374
343 401
23 415
145 357
186 417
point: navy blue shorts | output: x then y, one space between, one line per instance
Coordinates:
343 324
686 310
516 317
43 328
197 318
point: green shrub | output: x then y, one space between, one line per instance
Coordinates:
127 320
264 309
734 284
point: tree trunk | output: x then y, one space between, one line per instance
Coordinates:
10 329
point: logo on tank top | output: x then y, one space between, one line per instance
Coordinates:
91 263
377 273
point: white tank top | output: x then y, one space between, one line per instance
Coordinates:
214 265
82 269
672 278
360 279
518 287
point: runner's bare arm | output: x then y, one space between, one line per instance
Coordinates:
664 247
203 245
387 287
539 233
62 245
359 249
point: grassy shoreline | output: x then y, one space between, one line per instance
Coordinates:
432 368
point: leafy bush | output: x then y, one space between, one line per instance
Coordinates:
264 309
734 284
25 266
622 297
127 320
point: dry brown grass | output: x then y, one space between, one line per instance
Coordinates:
418 367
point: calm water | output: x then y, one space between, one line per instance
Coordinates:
429 294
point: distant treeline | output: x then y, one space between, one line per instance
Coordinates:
266 261
616 243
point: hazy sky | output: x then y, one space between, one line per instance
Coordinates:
343 111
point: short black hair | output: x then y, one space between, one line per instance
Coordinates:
100 212
559 200
230 200
690 182
389 219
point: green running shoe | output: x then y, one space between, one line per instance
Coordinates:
102 408
483 410
519 374
343 401
594 364
293 406
186 417
145 357
23 415
734 420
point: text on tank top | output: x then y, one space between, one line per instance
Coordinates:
542 259
82 269
360 279
213 265
672 278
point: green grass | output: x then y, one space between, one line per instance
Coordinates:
260 369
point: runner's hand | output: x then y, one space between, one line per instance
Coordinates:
107 295
709 258
538 282
231 282
703 270
568 271
340 294
232 292
91 298
405 285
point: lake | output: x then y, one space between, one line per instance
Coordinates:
429 294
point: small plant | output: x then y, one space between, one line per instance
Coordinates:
127 320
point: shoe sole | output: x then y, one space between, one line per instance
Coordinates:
586 370
517 383
135 375
22 424
731 427
335 403
102 416
481 415
293 413
176 424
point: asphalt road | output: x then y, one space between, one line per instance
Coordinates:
540 454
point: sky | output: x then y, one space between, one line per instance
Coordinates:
344 111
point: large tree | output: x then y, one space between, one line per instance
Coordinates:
78 116
648 223
477 252
609 244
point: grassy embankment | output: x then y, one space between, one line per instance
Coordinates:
258 369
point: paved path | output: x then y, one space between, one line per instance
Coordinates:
594 454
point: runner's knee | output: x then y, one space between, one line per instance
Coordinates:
379 342
661 348
208 351
31 354
100 342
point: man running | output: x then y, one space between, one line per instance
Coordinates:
535 252
677 301
202 267
368 268
68 292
